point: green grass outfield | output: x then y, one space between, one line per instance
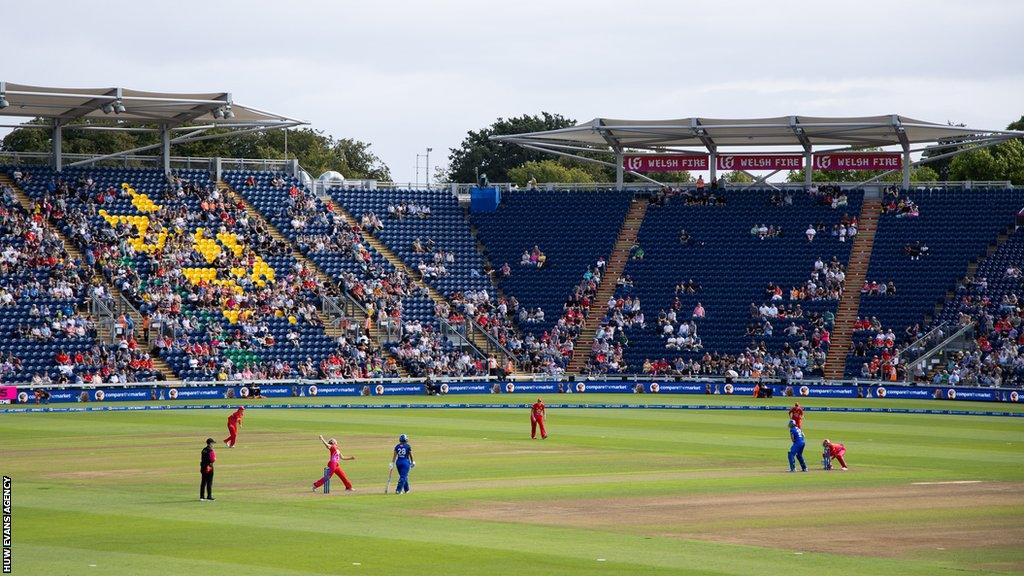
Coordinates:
613 491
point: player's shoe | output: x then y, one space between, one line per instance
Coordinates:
845 468
211 499
350 489
803 469
314 487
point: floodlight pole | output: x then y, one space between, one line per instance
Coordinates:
57 134
426 171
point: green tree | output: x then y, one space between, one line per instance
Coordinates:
738 177
478 152
547 171
1004 161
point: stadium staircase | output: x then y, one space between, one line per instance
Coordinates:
480 341
103 329
856 272
613 271
331 328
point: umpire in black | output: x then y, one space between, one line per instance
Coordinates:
206 470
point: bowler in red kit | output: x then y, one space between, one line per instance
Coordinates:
796 414
234 421
537 420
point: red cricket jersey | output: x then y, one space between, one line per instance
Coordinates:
538 410
836 449
796 413
235 417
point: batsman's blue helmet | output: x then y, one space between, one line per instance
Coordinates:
403 438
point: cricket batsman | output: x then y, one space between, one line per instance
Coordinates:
537 419
796 451
402 459
833 450
796 414
234 421
335 465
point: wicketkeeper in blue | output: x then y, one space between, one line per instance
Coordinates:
402 459
796 451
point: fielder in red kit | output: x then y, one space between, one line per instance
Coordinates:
834 450
335 465
796 414
234 421
537 419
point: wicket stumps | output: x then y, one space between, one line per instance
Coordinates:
826 460
327 480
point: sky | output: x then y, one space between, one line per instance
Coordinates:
406 76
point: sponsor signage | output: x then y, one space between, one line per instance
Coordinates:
8 393
858 161
166 392
750 162
665 162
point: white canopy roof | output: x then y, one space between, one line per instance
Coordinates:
710 133
68 104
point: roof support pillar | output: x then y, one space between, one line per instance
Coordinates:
165 148
713 166
57 135
619 176
808 167
906 168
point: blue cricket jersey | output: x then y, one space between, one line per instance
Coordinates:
403 451
797 434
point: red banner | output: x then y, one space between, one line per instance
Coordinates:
858 161
8 393
665 162
760 162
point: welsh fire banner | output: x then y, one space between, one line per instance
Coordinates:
760 162
858 161
665 162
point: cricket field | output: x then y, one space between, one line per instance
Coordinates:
612 491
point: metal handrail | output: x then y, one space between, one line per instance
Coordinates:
452 329
473 325
929 334
942 345
103 314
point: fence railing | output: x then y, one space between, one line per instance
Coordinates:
102 311
924 359
286 165
711 381
925 342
